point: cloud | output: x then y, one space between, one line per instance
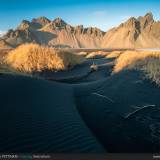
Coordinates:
2 33
99 13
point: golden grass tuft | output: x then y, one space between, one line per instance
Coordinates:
36 58
97 54
114 54
84 54
146 61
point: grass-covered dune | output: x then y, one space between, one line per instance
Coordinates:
40 116
146 61
36 58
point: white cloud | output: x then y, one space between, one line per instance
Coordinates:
99 13
2 33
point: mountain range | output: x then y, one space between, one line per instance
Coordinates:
141 32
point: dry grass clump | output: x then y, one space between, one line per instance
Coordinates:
114 54
36 58
152 69
98 54
84 54
147 61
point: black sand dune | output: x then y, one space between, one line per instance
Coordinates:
39 116
123 112
120 113
81 73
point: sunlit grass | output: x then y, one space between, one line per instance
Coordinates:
146 61
97 54
114 54
36 58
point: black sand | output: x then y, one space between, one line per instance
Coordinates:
39 116
99 113
123 112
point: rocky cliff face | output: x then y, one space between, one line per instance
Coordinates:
62 34
141 32
55 33
19 36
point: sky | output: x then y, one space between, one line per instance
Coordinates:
103 14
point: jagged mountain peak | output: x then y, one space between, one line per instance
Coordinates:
130 23
41 21
95 31
135 32
136 22
34 24
58 22
149 16
42 18
79 29
89 31
146 20
24 25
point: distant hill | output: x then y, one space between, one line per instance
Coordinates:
142 32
